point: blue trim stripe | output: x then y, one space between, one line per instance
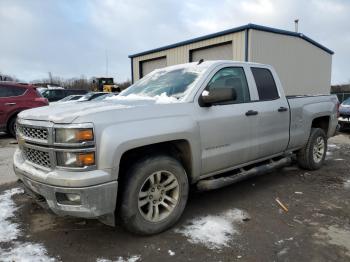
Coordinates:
235 30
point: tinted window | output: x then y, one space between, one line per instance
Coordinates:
265 84
8 91
231 77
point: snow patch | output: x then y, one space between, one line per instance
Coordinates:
333 146
121 259
329 153
347 184
159 99
171 253
338 159
8 230
25 252
214 231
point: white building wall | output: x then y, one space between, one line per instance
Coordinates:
303 68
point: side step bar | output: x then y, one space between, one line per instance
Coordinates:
214 183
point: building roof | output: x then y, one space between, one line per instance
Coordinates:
235 30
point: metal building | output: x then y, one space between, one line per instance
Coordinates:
303 65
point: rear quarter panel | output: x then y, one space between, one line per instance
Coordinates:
304 110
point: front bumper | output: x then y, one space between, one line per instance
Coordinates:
95 200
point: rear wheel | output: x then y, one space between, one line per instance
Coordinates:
154 195
11 127
312 155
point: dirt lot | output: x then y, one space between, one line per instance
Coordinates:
241 222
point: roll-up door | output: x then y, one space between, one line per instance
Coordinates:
148 66
215 52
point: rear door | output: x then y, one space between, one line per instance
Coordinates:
10 102
226 133
272 109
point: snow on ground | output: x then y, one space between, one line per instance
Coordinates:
214 231
121 259
25 252
171 253
333 146
9 231
347 184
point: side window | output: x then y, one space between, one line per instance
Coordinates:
8 91
265 84
231 77
17 91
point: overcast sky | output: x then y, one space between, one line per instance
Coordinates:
71 38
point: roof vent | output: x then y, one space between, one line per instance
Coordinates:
296 22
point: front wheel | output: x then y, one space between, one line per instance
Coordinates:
154 195
312 155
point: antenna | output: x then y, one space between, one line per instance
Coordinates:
200 61
296 22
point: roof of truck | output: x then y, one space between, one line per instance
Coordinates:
235 30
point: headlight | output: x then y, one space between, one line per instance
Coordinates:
74 135
75 159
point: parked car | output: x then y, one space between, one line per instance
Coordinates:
15 98
92 95
68 99
57 94
108 95
178 126
344 114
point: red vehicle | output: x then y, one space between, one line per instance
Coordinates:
15 98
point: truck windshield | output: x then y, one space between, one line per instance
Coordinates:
173 83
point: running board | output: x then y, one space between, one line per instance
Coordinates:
214 183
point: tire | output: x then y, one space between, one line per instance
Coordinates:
140 198
11 126
311 156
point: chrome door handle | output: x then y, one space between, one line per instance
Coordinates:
282 109
251 113
10 104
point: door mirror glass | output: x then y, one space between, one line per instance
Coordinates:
215 96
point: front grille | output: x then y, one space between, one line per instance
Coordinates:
39 133
38 157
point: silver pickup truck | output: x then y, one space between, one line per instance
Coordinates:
135 155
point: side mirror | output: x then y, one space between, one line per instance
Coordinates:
218 95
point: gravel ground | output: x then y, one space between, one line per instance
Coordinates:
242 222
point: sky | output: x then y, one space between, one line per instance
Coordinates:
73 38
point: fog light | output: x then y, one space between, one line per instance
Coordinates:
73 197
68 198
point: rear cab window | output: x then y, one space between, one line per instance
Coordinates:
265 83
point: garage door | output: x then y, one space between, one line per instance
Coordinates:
217 52
149 65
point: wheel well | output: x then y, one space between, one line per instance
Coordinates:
179 149
321 122
14 115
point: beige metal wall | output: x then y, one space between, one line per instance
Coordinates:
180 55
303 68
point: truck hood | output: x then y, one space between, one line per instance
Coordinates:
66 113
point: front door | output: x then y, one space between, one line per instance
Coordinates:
227 136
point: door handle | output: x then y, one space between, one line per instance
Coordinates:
251 113
10 104
282 109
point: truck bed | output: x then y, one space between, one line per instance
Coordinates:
303 109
